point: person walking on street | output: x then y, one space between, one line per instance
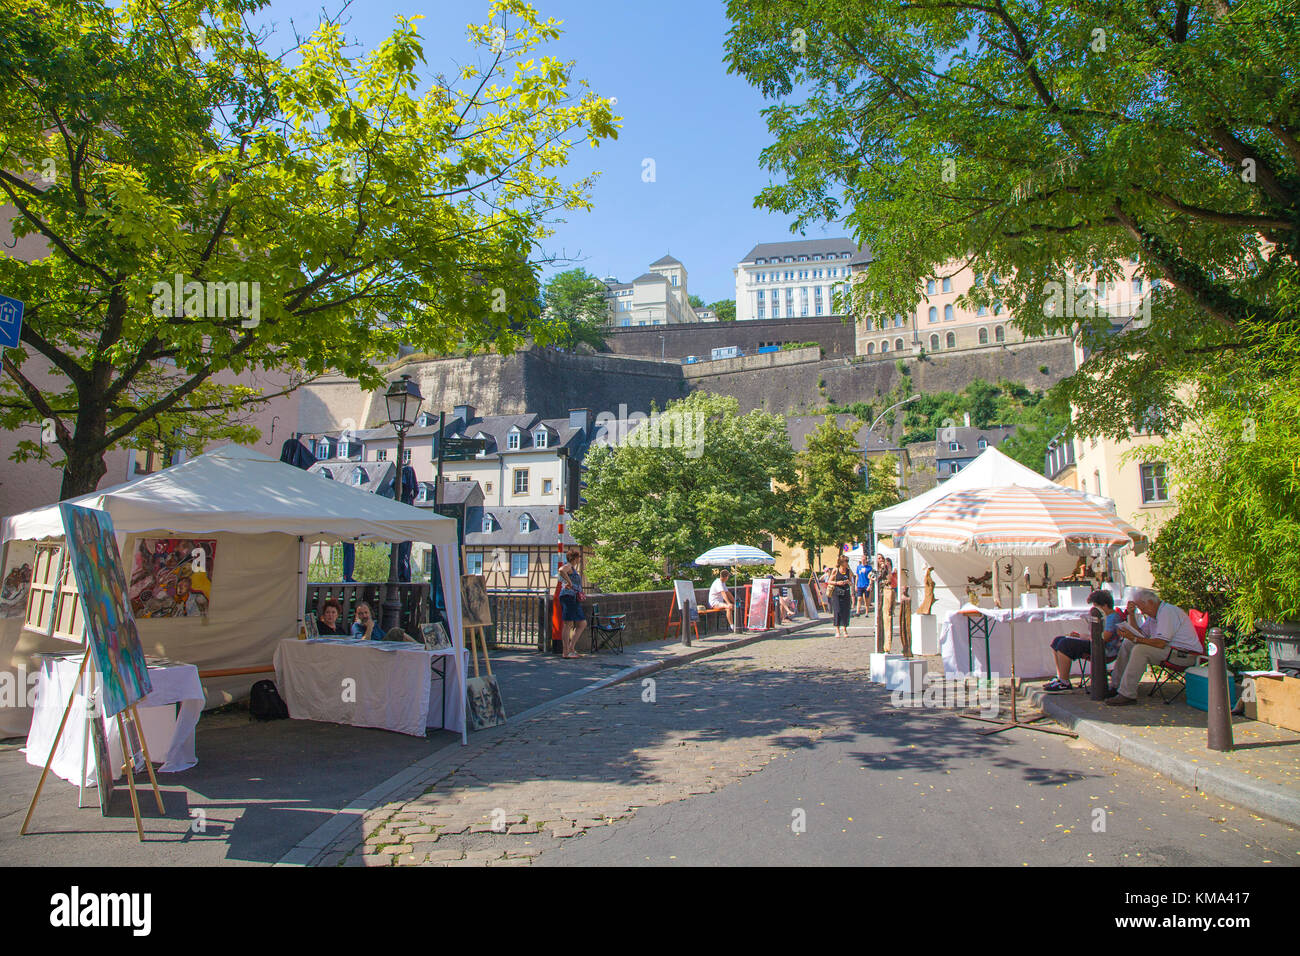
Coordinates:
840 583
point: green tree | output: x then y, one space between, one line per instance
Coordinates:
155 144
575 302
655 503
725 309
831 504
1042 142
695 301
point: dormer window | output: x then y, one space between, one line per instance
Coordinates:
512 440
983 444
526 524
539 438
325 472
358 477
489 524
322 449
954 446
345 449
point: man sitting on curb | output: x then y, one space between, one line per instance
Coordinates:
1166 631
719 596
1067 650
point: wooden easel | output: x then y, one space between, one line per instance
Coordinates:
128 753
476 641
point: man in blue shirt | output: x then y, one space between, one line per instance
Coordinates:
364 625
862 602
1069 649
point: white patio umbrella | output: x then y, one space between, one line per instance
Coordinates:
1013 521
731 556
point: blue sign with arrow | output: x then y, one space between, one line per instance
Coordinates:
11 322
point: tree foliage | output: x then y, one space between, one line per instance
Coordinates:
1044 142
651 510
149 141
725 309
576 306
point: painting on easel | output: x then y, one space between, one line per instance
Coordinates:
110 626
474 608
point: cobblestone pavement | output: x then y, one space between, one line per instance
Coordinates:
690 730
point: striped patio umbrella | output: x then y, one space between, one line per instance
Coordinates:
734 555
1019 521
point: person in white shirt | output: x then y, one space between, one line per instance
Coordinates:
1166 631
719 596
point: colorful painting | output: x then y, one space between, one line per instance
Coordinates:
114 640
17 580
760 593
172 577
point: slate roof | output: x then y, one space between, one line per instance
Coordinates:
968 441
495 428
803 247
453 493
378 474
650 277
665 261
546 517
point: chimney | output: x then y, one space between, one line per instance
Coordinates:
580 419
967 419
464 412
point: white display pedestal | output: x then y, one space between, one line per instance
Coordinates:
925 634
880 664
1072 595
906 674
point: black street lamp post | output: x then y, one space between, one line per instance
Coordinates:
403 399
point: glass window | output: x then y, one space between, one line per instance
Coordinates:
871 348
999 335
934 343
556 560
898 320
884 346
953 446
521 481
539 438
934 314
1137 285
518 565
950 340
474 563
947 313
898 345
512 440
525 524
929 287
547 484
983 444
323 449
947 285
1154 487
358 477
984 336
489 525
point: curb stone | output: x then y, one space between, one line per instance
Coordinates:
1268 800
316 844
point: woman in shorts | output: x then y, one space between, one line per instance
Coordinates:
571 596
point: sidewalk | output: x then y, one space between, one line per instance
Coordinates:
590 673
1261 775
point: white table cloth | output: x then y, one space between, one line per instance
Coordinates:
386 684
169 716
1035 629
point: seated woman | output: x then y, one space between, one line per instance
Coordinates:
1069 649
365 627
330 623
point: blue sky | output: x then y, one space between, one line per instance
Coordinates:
680 108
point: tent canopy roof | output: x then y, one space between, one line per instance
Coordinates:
992 469
238 490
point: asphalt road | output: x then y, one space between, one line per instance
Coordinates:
883 786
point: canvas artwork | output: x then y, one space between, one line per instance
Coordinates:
110 627
309 623
172 577
435 636
483 699
760 593
17 580
474 608
809 604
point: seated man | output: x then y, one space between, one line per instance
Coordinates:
330 623
1077 646
365 626
1166 631
719 596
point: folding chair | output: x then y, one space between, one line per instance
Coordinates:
1169 671
609 635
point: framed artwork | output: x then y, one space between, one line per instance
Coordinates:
172 577
17 581
435 636
110 626
760 593
474 608
104 775
309 622
483 702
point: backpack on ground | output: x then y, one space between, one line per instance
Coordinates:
265 702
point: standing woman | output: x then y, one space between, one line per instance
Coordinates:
841 583
571 597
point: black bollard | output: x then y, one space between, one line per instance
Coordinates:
1097 666
1219 716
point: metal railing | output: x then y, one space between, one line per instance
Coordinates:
521 620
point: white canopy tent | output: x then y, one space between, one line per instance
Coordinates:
992 469
264 515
